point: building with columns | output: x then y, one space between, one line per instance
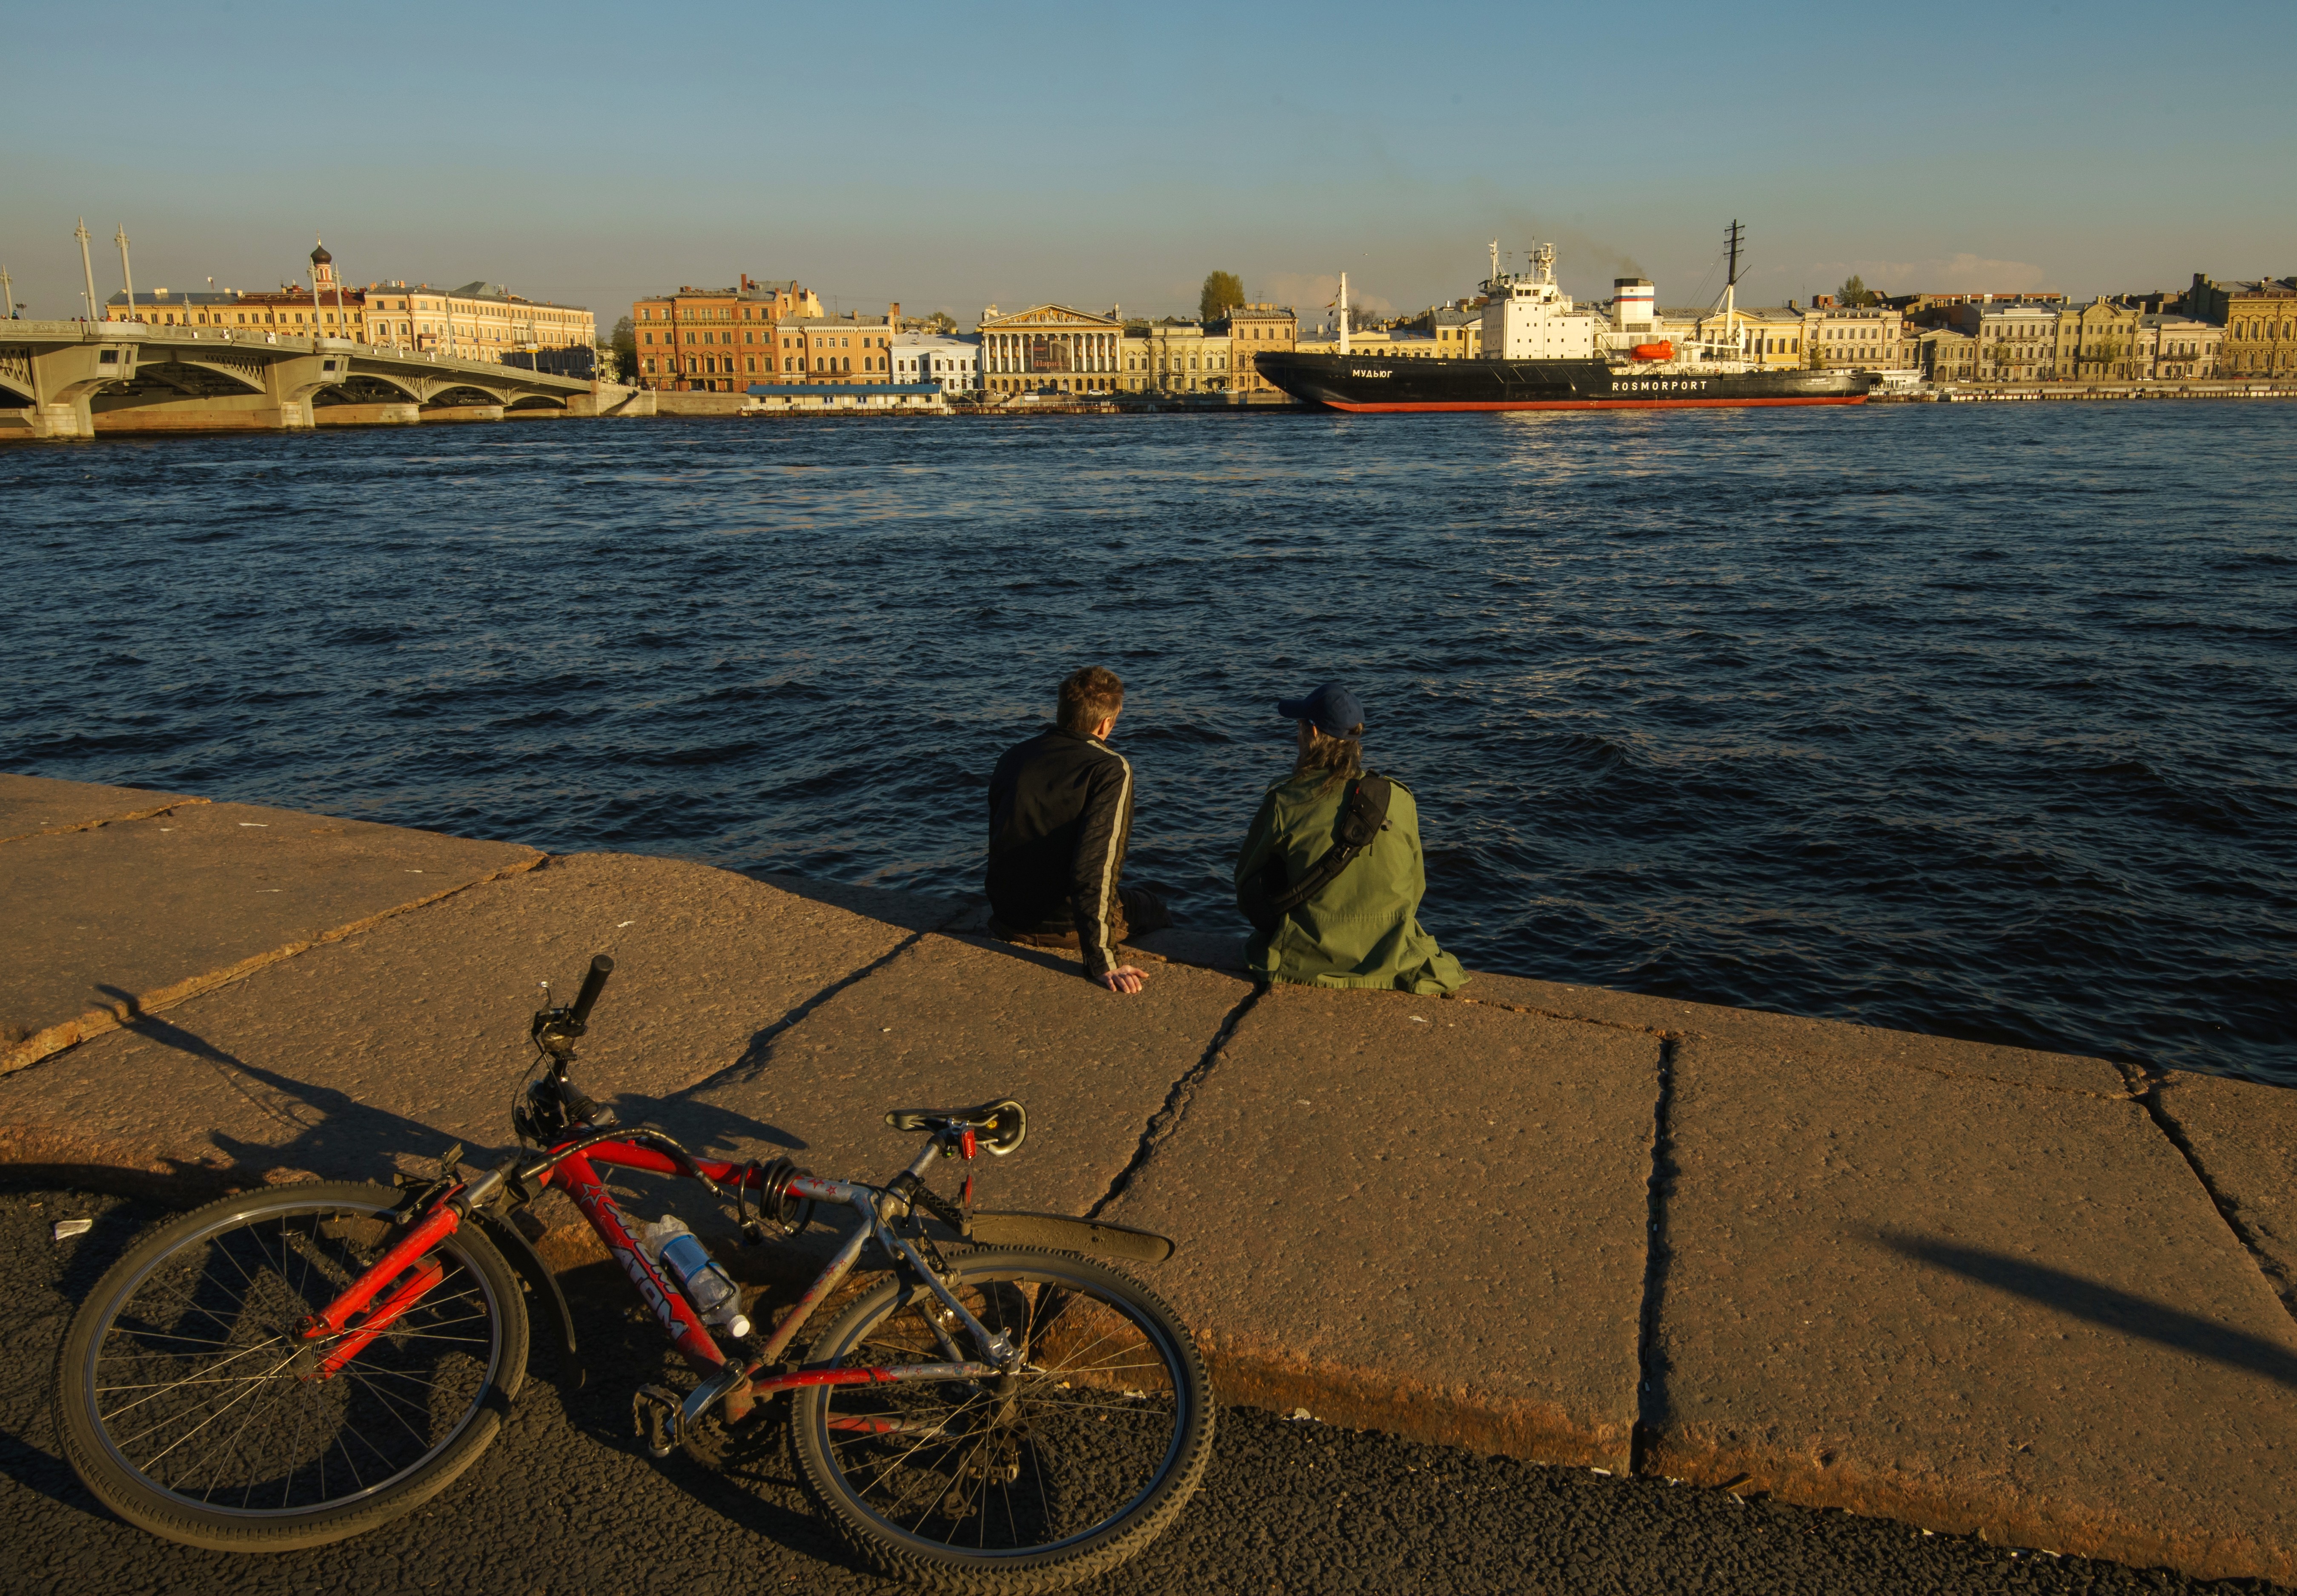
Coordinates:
2259 319
1050 347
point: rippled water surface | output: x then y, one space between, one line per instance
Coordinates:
1974 719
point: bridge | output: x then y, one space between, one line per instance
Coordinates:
74 379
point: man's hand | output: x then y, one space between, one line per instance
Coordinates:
1125 979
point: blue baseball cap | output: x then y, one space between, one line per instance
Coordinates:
1331 709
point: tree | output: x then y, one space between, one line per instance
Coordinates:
624 341
1222 293
1854 293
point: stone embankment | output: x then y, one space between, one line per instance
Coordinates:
2044 1298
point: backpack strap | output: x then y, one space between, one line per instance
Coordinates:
1361 819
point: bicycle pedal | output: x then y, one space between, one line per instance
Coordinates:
654 1415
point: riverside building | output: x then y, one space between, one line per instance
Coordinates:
2017 343
837 351
2177 348
2099 343
954 364
1256 329
2259 320
1051 348
718 340
1186 357
338 312
1854 338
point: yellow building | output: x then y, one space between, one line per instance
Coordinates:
1771 337
479 321
1258 329
1051 348
836 350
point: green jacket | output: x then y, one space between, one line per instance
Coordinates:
1362 929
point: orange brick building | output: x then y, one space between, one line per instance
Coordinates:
716 340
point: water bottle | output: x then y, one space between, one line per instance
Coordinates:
710 1288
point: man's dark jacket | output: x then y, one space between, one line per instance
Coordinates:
1060 814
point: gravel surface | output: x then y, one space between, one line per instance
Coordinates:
567 1500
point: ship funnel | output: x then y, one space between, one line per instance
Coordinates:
1635 304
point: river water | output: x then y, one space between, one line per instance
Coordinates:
1971 719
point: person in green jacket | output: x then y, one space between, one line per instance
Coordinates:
1362 928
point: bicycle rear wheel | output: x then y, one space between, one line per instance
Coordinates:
188 1405
1056 1471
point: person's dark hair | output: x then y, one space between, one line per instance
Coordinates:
1339 758
1088 697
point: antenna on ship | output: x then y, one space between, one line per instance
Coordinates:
1734 236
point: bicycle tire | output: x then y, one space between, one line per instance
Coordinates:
1104 1421
292 1249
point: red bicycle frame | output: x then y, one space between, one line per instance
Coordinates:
349 1323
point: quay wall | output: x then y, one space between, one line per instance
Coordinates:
2038 1298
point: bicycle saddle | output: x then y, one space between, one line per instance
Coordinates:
1002 1125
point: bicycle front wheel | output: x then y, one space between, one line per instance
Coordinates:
188 1404
1058 1470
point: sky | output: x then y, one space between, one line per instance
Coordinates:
953 157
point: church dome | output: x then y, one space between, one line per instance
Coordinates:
320 256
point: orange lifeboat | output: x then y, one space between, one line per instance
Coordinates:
1664 350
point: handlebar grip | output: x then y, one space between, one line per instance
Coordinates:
593 984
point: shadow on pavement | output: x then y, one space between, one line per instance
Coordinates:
333 1133
2116 1310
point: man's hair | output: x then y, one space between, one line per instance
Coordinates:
1088 697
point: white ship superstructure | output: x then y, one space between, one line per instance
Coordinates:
1528 317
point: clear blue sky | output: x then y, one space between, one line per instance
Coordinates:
953 157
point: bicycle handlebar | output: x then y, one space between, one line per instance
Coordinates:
593 984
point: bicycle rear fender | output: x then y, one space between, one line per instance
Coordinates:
1092 1236
542 1291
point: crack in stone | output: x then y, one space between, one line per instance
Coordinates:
752 1064
2146 1093
1166 1120
1650 1377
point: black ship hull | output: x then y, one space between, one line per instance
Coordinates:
1366 384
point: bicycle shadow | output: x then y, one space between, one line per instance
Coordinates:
758 1489
329 1133
31 1456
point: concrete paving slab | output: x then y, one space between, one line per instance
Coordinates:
1976 1306
1417 1215
917 911
953 1021
399 1038
40 806
1674 1017
136 916
2243 1136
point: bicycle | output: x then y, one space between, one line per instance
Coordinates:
291 1367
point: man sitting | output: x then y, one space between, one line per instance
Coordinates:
1061 815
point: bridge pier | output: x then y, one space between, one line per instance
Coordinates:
62 381
463 413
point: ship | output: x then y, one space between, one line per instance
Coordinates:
1542 352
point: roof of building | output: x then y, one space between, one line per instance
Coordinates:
167 300
849 319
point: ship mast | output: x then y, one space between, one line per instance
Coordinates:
1736 235
1344 313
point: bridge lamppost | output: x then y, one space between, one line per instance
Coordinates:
87 269
126 277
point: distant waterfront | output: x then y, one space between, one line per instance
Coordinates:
1972 722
